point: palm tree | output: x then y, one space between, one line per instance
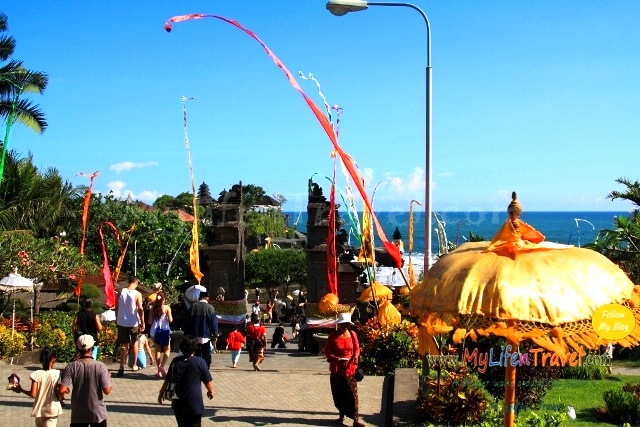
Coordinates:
41 202
632 194
621 244
16 80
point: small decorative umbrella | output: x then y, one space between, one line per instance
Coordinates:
520 288
12 283
376 291
388 314
328 303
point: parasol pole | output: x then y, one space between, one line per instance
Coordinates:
509 389
13 316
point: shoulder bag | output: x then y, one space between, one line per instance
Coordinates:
171 390
359 375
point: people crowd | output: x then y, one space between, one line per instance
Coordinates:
88 379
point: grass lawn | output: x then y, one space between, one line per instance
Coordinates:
585 396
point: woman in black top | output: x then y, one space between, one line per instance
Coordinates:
86 322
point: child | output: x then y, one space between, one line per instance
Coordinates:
46 406
258 354
144 354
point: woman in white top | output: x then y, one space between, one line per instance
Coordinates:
46 406
160 318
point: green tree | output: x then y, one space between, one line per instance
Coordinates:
41 202
252 195
271 268
621 244
16 80
632 194
46 261
158 253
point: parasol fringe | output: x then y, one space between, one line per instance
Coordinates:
459 335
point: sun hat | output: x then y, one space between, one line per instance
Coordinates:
344 318
85 342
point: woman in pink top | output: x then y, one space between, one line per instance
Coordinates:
343 351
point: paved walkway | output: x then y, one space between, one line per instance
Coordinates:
291 390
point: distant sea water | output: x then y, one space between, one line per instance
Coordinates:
573 228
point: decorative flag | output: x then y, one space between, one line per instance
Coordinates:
412 276
332 272
194 252
109 290
123 252
392 249
85 208
366 253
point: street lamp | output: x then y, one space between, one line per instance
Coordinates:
342 7
135 249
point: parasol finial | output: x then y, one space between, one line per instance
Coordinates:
514 207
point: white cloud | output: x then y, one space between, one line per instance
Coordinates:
412 183
126 166
117 189
148 196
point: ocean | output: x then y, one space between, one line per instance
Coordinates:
572 228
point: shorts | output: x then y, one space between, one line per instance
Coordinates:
127 334
162 337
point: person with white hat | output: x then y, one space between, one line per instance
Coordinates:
343 351
90 380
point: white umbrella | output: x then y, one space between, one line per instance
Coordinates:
193 292
15 282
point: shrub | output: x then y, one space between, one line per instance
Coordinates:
56 325
547 419
623 404
11 345
107 340
460 400
385 348
584 372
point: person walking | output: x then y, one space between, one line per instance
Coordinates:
203 325
256 338
86 322
130 322
90 381
46 406
235 342
191 371
160 318
269 310
343 351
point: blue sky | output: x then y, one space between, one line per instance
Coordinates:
538 97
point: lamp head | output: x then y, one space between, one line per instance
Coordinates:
342 7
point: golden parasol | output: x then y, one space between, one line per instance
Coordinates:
518 289
328 303
376 291
388 314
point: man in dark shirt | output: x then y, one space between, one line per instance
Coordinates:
203 325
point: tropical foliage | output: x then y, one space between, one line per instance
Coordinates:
39 201
15 80
271 268
621 244
387 347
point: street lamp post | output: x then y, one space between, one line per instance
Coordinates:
135 249
342 7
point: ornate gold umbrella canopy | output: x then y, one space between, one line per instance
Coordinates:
376 291
521 289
